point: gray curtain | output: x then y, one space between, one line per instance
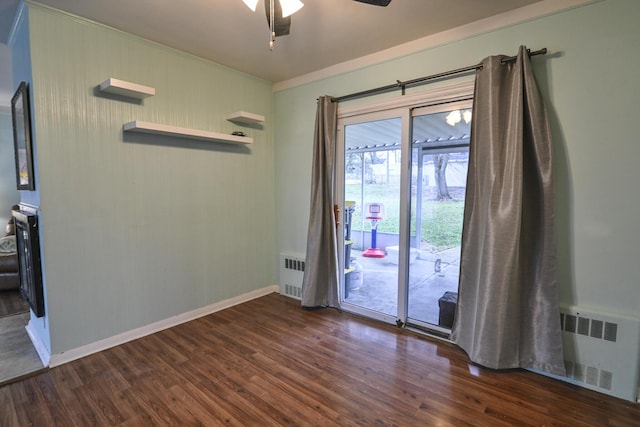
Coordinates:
507 314
320 282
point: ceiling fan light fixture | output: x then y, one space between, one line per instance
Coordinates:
251 4
289 7
382 3
278 15
453 118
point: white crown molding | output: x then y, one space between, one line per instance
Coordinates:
535 10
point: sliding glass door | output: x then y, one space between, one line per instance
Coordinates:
402 182
372 147
439 160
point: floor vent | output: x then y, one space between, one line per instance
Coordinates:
599 351
293 291
291 273
589 375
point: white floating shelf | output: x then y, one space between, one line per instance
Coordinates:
123 88
160 129
244 117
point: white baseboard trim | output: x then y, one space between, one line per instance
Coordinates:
86 350
41 349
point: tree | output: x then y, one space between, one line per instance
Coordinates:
440 162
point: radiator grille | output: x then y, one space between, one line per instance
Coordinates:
594 328
599 351
291 274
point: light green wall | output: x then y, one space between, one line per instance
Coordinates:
136 229
590 81
21 70
8 193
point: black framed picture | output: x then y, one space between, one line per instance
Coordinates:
22 138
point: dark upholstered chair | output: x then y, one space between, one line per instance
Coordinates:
9 277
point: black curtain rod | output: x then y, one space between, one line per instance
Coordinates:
423 80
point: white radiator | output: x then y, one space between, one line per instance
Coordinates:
601 352
291 273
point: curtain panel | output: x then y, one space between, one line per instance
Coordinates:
507 314
320 281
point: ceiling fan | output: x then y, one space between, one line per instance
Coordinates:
376 2
279 14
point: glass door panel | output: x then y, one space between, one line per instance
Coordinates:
403 184
439 162
372 157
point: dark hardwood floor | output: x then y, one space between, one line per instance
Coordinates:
268 363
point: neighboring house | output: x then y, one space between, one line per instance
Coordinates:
140 232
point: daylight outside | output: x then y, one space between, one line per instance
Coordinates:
438 183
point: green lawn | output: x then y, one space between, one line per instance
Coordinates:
441 220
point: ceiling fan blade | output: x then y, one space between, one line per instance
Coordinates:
376 2
281 25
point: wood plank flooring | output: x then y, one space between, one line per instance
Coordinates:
12 303
269 363
18 357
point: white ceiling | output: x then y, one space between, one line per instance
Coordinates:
323 32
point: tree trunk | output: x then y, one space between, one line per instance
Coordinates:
440 162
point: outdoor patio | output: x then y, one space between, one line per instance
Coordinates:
429 279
